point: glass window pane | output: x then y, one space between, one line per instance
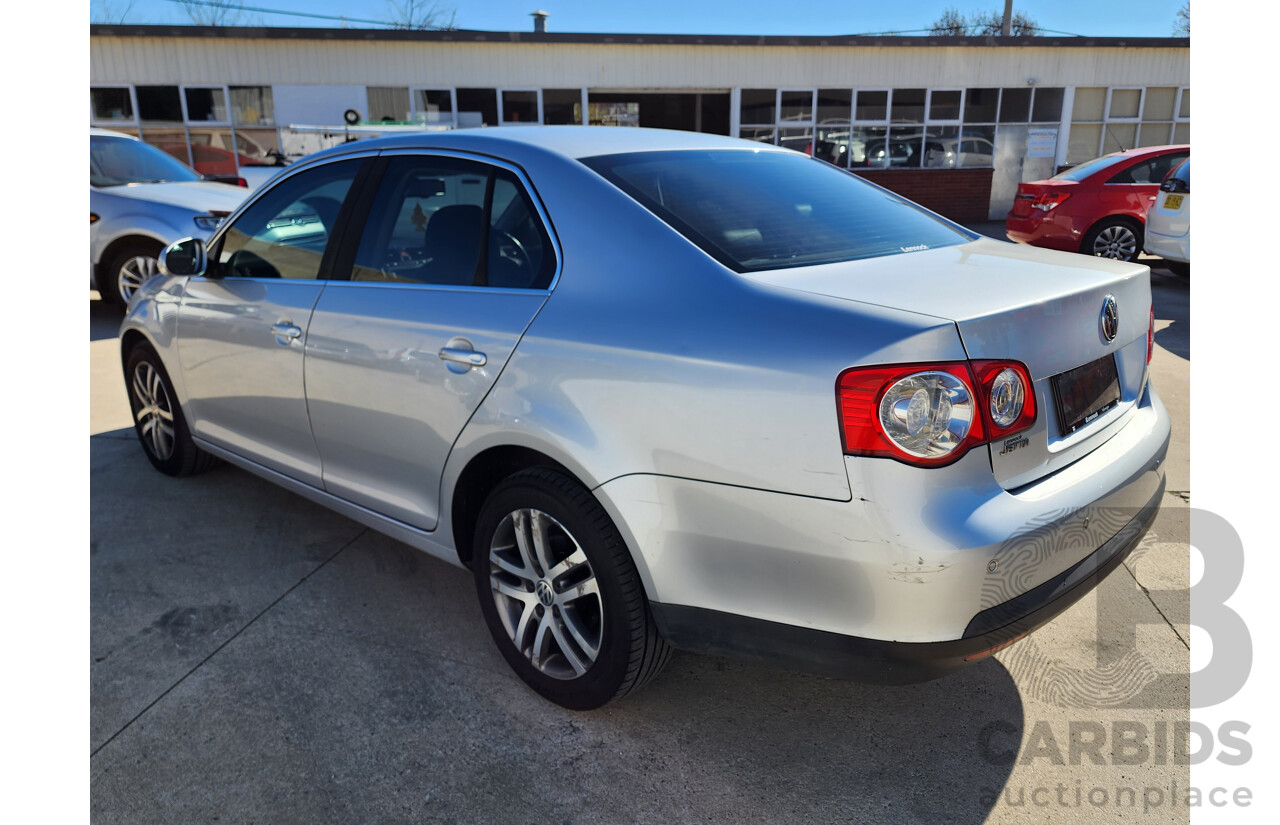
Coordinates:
906 147
1083 143
1089 105
615 113
833 145
519 250
213 152
477 107
944 105
1015 105
159 104
433 106
206 105
519 107
801 140
285 232
977 146
908 105
427 223
1125 102
1047 107
835 105
173 142
867 146
388 103
1154 134
1118 137
1182 133
1185 109
941 147
258 147
775 209
1159 103
758 105
980 105
764 135
797 106
562 106
111 104
252 106
872 106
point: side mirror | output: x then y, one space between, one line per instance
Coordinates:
183 258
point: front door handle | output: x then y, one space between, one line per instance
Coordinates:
466 357
286 333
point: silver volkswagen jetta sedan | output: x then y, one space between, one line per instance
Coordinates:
663 390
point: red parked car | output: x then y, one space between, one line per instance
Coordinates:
1097 208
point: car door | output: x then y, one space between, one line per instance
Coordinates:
1130 191
242 327
452 263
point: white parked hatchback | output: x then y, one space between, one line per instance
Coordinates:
1169 220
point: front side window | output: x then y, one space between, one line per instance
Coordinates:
770 210
453 222
284 233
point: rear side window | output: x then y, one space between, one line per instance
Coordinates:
770 210
1149 171
453 222
1089 167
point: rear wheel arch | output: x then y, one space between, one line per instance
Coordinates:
478 479
1137 226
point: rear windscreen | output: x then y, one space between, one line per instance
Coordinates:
769 210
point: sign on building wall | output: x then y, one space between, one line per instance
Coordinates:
1042 143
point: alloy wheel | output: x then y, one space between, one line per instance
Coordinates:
546 593
154 412
1118 242
135 272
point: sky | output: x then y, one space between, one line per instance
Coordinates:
1096 18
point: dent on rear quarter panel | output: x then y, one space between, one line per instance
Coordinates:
650 357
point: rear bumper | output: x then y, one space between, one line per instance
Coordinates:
921 569
1169 247
1049 230
884 662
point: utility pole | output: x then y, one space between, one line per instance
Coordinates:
1006 28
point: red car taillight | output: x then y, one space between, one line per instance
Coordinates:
930 415
1049 200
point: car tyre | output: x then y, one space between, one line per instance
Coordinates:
158 419
560 593
1116 238
128 269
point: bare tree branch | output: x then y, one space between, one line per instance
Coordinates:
420 14
1182 25
979 24
112 12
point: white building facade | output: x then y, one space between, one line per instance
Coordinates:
954 123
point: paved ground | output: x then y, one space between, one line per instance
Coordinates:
257 659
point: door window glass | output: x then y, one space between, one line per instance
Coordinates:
284 233
429 225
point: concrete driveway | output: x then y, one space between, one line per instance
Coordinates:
258 659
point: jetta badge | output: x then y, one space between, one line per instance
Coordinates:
1110 318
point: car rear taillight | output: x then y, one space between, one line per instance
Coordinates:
1049 200
1151 334
930 415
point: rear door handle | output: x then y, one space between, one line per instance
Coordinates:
466 357
286 333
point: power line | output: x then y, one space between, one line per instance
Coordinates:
231 7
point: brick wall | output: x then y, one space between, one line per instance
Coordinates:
963 195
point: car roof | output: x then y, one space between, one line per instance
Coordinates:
570 141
